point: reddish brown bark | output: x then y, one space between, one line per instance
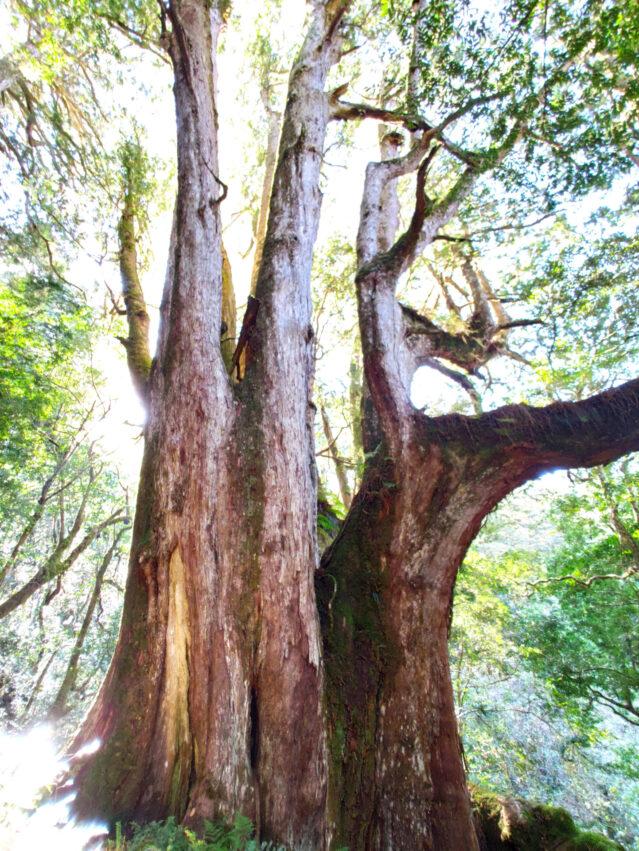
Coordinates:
385 593
386 584
153 712
213 702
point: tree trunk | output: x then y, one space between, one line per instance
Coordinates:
213 703
153 712
385 593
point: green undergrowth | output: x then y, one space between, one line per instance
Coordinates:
170 836
506 824
509 824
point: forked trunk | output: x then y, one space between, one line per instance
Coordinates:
213 703
385 592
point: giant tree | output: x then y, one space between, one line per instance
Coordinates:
328 718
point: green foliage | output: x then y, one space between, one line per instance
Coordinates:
137 177
60 120
42 380
582 285
545 674
61 499
523 56
585 628
170 836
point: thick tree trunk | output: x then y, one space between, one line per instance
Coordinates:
213 703
385 592
276 421
154 712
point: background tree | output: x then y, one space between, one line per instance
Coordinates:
529 640
61 498
64 509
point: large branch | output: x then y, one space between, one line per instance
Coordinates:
389 362
136 343
387 371
282 284
520 441
427 219
433 217
378 174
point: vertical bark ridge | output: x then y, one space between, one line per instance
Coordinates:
163 695
277 423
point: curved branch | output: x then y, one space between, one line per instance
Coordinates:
153 45
585 583
525 441
378 174
54 567
44 497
